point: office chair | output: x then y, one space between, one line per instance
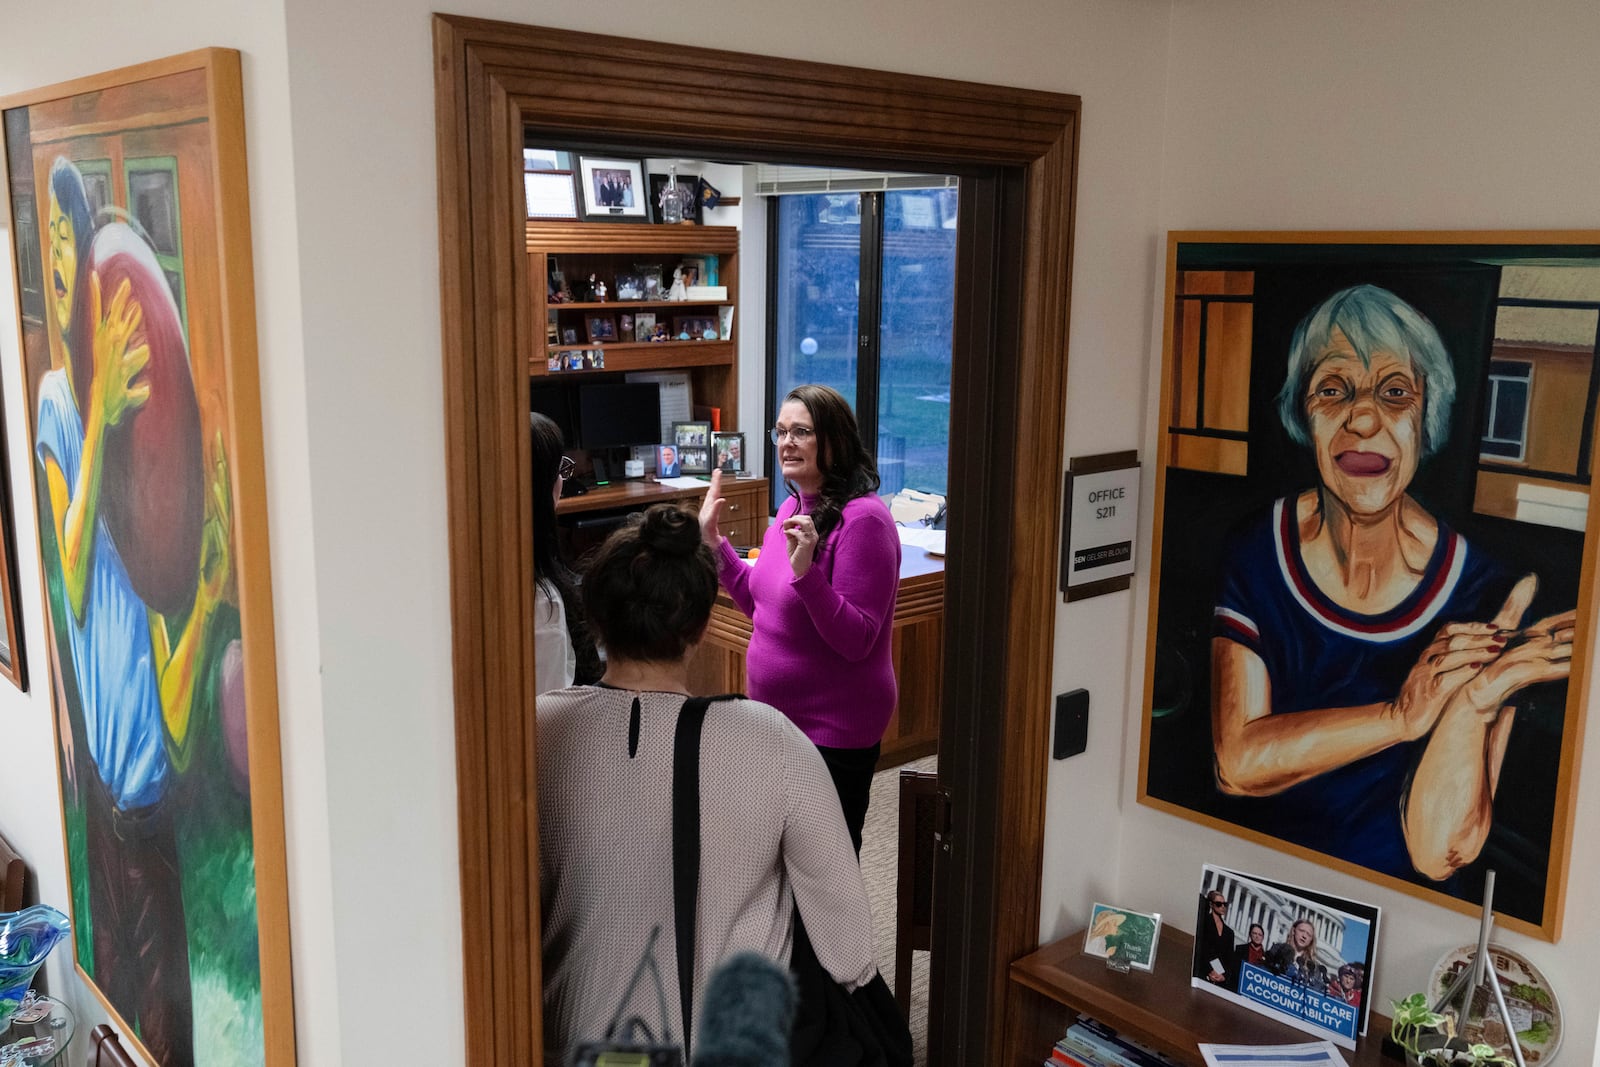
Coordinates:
913 912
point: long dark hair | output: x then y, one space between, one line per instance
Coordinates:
650 587
548 566
848 469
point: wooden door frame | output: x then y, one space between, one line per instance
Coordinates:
1017 150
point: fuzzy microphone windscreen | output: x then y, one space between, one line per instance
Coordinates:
746 1012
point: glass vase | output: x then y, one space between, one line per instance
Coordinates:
26 938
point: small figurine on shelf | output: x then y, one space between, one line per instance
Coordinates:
659 333
600 292
678 290
588 289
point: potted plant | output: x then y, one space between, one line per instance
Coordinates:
1430 1038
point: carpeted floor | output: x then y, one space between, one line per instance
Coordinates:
880 841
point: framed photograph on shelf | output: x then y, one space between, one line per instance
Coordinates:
600 327
699 270
692 435
644 325
630 287
1301 956
612 189
649 280
729 449
667 461
691 209
1123 937
694 328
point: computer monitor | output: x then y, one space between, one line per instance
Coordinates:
555 401
615 415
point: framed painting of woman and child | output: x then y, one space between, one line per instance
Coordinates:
1373 537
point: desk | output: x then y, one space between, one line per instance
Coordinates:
744 516
57 1025
1051 986
917 654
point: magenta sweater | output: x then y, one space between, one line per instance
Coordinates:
819 650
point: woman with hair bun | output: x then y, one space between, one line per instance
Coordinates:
771 844
821 596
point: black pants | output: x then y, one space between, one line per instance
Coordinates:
141 943
852 769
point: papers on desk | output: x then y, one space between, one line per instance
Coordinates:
1309 1054
685 482
931 541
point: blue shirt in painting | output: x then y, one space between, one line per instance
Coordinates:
110 646
1319 655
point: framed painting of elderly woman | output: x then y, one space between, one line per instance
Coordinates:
1371 613
138 341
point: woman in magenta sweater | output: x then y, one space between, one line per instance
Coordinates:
821 595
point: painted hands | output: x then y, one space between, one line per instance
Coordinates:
1539 653
115 364
711 512
216 534
800 534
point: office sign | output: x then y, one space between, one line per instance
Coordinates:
1101 524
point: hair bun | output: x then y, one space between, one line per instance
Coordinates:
670 530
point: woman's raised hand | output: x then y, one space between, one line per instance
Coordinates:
800 534
711 511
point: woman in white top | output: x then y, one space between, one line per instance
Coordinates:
563 650
772 836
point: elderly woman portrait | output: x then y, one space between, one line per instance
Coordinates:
1365 657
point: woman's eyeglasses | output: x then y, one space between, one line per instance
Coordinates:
566 468
798 434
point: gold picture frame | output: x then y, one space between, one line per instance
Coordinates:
138 178
1270 340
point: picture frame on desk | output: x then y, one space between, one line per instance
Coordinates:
693 434
729 448
695 459
667 461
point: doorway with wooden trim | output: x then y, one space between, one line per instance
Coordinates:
1015 151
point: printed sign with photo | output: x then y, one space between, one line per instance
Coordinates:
1299 956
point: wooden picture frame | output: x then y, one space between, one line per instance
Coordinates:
728 449
13 662
1482 436
195 959
611 190
695 326
600 327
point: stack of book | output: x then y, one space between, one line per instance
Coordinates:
1091 1043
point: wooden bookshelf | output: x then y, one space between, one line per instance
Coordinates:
1052 986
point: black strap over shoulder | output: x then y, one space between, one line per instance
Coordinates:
686 844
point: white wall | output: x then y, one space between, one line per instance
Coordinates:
1372 115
